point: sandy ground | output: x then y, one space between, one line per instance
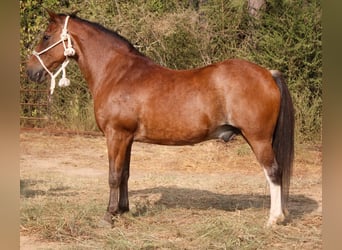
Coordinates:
206 166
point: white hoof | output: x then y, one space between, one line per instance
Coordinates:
273 221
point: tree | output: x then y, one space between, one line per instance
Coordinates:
254 7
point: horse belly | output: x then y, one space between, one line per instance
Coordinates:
182 128
186 111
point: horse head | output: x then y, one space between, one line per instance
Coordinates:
54 47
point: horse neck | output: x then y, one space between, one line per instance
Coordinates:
98 54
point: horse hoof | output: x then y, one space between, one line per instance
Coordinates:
108 217
123 210
274 221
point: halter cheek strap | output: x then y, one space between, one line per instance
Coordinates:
68 51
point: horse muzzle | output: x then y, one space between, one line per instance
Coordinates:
36 75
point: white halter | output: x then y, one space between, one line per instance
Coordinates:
68 51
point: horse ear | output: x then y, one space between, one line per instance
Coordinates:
52 14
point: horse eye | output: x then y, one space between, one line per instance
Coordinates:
46 37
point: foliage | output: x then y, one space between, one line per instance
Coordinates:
188 34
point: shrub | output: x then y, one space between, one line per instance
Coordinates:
188 34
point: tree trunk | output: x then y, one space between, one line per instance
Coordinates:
255 6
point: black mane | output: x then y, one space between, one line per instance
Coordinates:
109 32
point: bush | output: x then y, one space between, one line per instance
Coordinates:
188 34
293 44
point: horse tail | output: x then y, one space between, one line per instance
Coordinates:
283 137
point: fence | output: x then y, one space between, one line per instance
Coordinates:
34 107
35 113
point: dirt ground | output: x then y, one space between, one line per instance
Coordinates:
205 177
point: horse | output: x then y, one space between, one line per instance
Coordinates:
136 99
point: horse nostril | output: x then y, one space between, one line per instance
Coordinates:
34 75
29 73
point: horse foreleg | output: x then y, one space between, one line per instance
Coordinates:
123 199
119 145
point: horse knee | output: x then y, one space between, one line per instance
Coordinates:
114 180
125 175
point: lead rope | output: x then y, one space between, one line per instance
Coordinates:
68 51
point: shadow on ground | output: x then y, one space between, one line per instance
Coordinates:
28 189
175 197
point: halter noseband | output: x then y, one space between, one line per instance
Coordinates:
68 51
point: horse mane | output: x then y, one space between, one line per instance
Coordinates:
110 32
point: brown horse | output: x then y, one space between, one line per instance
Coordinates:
136 99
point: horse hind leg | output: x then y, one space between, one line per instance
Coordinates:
265 155
277 214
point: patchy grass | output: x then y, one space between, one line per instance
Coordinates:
208 196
